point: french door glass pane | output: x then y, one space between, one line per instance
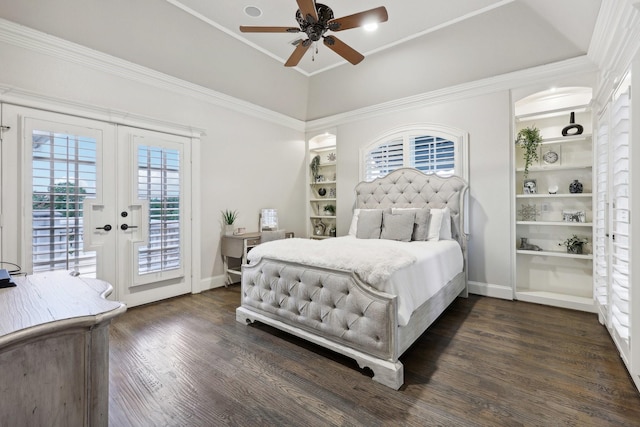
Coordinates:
159 183
63 176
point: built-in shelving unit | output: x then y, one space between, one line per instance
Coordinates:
547 210
322 188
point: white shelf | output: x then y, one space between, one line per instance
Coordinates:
563 223
322 200
555 254
323 183
553 196
564 139
554 168
557 300
322 217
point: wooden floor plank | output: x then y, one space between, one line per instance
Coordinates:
485 362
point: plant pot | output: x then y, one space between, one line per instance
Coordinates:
228 229
575 249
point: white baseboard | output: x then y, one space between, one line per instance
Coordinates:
212 282
490 290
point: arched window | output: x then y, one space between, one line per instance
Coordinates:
429 148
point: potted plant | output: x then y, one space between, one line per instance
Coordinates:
574 244
315 167
228 218
330 210
529 138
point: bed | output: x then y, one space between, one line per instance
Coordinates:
364 296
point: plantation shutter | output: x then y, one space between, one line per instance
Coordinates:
383 159
620 222
432 154
159 182
601 231
64 173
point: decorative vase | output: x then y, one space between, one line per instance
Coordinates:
332 232
322 191
574 249
574 128
575 187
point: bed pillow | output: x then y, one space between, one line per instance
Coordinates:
435 224
420 224
445 225
369 224
397 226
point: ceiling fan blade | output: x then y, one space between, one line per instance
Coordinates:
379 14
308 8
343 49
297 54
246 29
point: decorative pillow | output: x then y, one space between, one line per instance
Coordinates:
435 224
421 222
354 222
445 226
369 224
397 226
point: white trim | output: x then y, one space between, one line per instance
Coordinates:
508 81
24 98
491 290
27 38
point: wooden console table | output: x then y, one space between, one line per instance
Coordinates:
54 351
237 246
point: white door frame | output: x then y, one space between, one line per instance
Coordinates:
12 203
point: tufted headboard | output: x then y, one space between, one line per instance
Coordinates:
409 187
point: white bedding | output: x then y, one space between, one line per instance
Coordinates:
414 271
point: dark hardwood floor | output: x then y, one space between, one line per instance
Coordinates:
485 362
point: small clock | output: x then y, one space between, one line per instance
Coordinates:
550 157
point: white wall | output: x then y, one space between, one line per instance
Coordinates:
247 163
487 119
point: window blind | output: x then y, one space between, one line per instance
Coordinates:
63 176
384 159
432 154
601 242
159 183
620 221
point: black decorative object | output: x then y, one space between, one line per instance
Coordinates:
575 187
322 192
576 128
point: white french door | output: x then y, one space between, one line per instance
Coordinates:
99 200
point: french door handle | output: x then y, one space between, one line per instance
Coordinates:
105 228
125 227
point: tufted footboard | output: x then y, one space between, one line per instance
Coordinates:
332 308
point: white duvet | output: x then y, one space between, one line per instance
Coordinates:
414 271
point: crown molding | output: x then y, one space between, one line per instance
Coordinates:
27 38
541 74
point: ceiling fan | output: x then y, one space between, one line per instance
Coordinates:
315 19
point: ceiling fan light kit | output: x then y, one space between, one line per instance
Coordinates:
315 19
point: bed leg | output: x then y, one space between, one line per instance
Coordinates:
243 317
386 373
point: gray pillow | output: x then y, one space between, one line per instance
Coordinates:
398 226
369 223
420 224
